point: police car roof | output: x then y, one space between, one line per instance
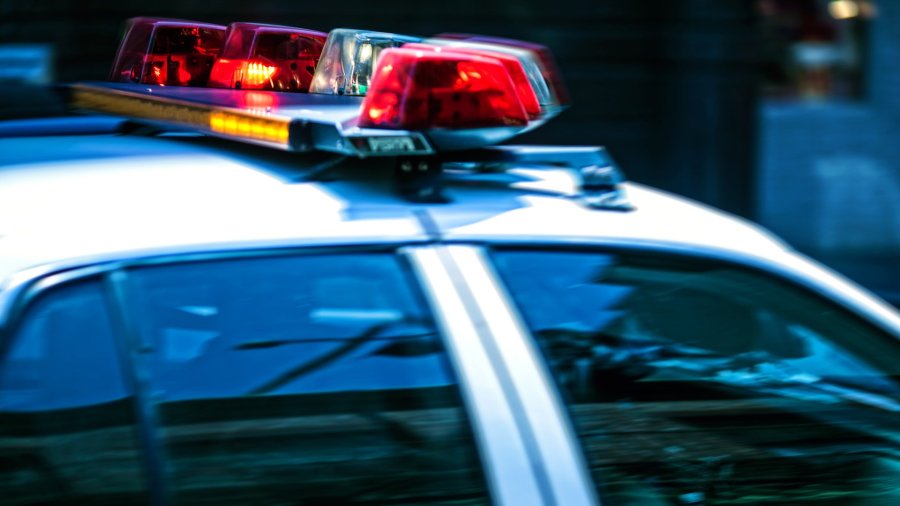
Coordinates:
66 198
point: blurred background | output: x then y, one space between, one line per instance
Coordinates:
782 111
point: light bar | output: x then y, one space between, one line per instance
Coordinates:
267 57
367 95
418 90
167 52
349 58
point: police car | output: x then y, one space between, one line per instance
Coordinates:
289 267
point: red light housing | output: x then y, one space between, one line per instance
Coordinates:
167 52
413 89
513 66
549 68
268 57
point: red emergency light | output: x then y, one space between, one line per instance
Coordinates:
267 57
513 66
548 67
167 52
414 89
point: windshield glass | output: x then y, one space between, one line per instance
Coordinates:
697 382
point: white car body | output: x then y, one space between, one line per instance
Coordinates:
73 204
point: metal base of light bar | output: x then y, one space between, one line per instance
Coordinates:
418 179
574 157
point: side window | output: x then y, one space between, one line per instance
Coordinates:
66 416
316 379
696 382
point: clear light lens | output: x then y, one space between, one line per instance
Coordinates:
349 58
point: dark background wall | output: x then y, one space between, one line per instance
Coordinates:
829 170
670 87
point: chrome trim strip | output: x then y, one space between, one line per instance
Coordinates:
147 427
559 452
509 470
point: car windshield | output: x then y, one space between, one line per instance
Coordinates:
697 382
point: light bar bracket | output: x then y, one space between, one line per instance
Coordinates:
599 177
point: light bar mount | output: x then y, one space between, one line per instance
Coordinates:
418 179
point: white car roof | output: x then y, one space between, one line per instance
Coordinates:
73 200
64 198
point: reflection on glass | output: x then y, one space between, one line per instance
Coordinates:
66 418
694 382
302 380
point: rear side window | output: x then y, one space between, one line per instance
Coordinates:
697 382
67 429
315 379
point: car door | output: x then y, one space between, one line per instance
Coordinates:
691 379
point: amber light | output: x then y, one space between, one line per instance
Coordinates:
259 73
248 126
